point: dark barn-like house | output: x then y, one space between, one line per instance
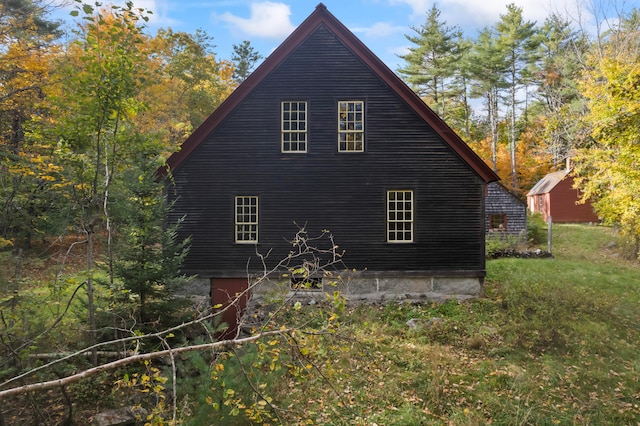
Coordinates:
325 136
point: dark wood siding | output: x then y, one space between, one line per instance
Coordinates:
323 189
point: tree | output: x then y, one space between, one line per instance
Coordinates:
286 340
516 39
185 84
431 62
104 72
197 80
244 58
487 67
561 50
149 256
27 171
606 165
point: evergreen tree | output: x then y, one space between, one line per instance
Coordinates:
487 65
244 58
149 257
517 40
432 62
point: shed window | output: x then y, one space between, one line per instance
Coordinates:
246 219
351 126
400 216
294 126
498 222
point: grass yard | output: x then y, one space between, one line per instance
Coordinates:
555 341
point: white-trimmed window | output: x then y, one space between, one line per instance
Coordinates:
350 126
400 216
294 126
246 219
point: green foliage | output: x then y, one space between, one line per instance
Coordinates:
244 58
149 387
149 257
607 165
537 229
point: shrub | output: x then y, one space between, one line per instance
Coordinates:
536 229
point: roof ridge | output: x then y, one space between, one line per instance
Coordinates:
322 16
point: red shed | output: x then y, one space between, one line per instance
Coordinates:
555 196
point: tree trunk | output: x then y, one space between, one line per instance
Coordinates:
90 304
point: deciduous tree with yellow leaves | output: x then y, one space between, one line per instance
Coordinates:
608 163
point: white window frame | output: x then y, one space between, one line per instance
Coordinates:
246 219
351 126
291 124
400 215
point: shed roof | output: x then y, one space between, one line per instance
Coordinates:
321 16
547 183
506 190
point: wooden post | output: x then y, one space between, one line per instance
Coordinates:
549 233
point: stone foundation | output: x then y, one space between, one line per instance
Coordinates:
358 289
378 289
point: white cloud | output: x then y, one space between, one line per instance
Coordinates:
487 12
476 14
380 30
268 19
159 9
418 7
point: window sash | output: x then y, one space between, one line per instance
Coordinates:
351 126
246 219
400 216
294 126
498 222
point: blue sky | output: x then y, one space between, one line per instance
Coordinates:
380 24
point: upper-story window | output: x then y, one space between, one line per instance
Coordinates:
351 126
400 216
246 219
294 126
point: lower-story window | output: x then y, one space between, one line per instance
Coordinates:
400 216
246 219
498 222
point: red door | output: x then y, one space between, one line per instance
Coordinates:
232 294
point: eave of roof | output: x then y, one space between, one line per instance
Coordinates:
508 191
548 182
322 16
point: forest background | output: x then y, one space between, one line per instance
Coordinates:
79 114
86 119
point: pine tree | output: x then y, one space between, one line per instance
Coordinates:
431 63
517 40
244 57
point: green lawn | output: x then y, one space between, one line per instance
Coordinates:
554 341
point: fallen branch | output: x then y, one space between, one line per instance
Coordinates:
136 358
56 355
